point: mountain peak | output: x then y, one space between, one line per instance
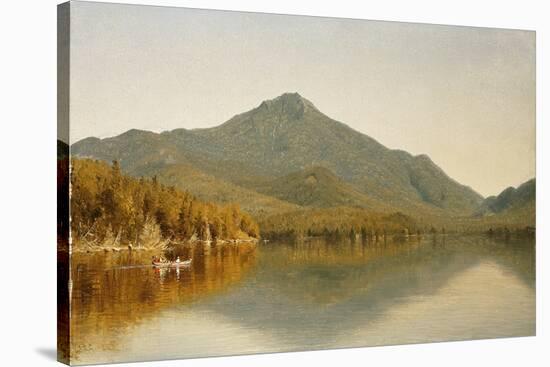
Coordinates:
288 97
291 104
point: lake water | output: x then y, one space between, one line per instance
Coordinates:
315 294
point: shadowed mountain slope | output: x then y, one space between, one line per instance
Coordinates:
319 187
512 203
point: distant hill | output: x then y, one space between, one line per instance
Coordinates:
208 188
261 152
512 202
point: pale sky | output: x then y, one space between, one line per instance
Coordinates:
464 96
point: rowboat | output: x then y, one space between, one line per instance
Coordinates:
171 264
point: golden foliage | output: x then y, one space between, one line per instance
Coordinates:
109 209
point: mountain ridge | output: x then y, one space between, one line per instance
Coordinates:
510 199
288 134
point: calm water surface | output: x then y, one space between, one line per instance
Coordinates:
312 295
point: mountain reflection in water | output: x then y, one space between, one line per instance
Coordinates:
310 295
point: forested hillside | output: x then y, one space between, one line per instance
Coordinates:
110 209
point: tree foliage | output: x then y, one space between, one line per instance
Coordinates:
337 222
109 208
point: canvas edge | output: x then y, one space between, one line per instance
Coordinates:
63 174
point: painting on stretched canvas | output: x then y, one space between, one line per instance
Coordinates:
235 183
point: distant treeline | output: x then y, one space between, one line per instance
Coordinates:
338 222
505 232
109 208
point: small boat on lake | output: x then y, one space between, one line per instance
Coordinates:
171 264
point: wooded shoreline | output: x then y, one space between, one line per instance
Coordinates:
113 212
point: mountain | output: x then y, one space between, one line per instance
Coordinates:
318 187
511 202
284 136
289 133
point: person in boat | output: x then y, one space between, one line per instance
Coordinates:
178 260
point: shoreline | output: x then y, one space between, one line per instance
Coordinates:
253 241
160 248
